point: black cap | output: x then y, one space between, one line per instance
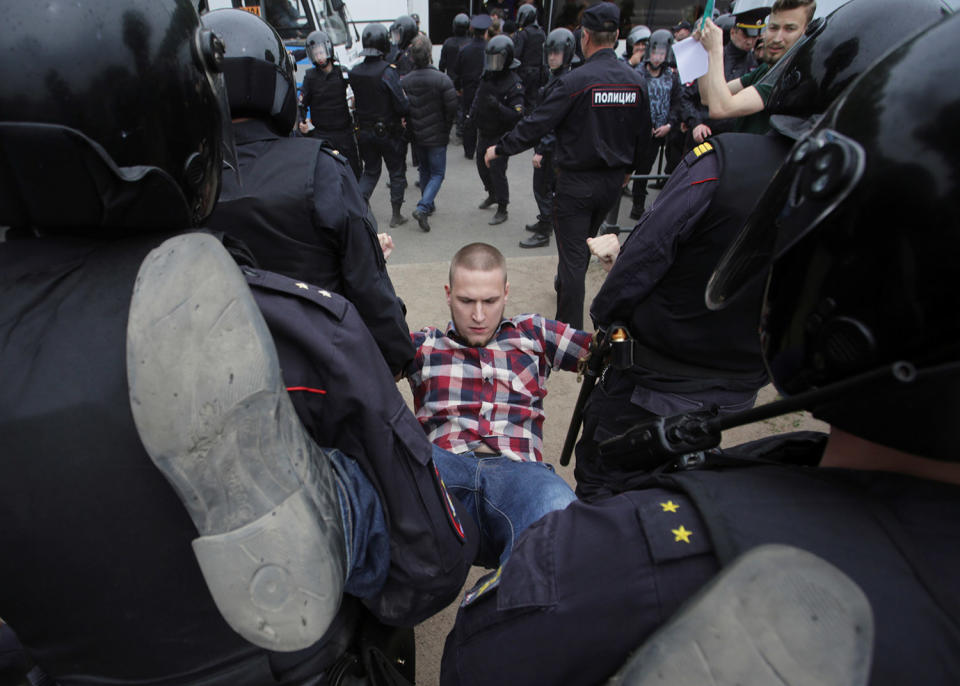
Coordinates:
604 16
481 22
683 24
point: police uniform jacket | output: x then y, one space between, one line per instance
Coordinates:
448 55
377 94
624 565
297 206
469 67
657 283
598 111
528 44
325 95
498 104
401 60
433 106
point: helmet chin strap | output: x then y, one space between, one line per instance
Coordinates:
652 442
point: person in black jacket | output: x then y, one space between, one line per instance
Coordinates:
528 41
324 96
497 106
380 105
448 59
468 69
433 108
297 204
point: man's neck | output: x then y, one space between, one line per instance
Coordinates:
846 451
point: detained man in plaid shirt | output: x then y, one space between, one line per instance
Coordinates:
478 391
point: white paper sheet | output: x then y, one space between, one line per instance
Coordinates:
692 59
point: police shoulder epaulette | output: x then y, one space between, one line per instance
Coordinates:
334 304
672 525
334 153
703 149
393 66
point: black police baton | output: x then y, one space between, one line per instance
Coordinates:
590 368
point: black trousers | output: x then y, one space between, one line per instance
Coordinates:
469 126
646 159
544 187
494 177
345 142
583 199
378 150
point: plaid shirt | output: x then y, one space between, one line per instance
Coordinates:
467 397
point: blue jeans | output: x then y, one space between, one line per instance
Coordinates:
433 167
364 528
502 496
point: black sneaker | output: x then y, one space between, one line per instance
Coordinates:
538 227
499 217
213 413
537 240
636 212
421 218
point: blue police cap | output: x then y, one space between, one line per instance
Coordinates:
604 16
481 22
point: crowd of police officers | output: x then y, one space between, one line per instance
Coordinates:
848 208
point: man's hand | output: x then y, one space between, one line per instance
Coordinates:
701 132
605 248
661 131
386 244
490 155
306 126
626 180
537 160
710 37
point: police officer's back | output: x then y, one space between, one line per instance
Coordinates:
468 70
296 204
451 46
402 32
528 41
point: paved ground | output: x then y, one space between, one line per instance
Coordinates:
418 269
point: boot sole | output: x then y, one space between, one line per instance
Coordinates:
775 615
213 413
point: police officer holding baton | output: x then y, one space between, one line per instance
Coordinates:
597 112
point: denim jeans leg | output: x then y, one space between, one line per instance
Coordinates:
438 168
365 530
515 495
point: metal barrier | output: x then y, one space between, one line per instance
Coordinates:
610 222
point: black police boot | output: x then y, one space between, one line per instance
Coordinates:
397 219
489 202
213 414
636 211
538 226
537 240
421 218
500 216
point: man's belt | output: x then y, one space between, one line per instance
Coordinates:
381 128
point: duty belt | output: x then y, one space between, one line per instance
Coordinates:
381 128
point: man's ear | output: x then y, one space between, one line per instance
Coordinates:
506 290
446 289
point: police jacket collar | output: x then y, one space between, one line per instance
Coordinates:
603 54
252 130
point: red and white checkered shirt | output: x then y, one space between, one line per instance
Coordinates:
467 397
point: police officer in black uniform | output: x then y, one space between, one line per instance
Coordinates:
448 59
324 96
318 230
528 41
497 106
598 112
380 103
402 32
863 241
558 54
468 69
107 587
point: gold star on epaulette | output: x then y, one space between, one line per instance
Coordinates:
681 534
669 506
518 108
303 286
325 294
336 152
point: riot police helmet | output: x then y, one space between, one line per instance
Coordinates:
559 42
375 40
860 230
461 23
526 15
837 48
258 70
660 43
319 48
402 31
498 55
113 136
638 34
